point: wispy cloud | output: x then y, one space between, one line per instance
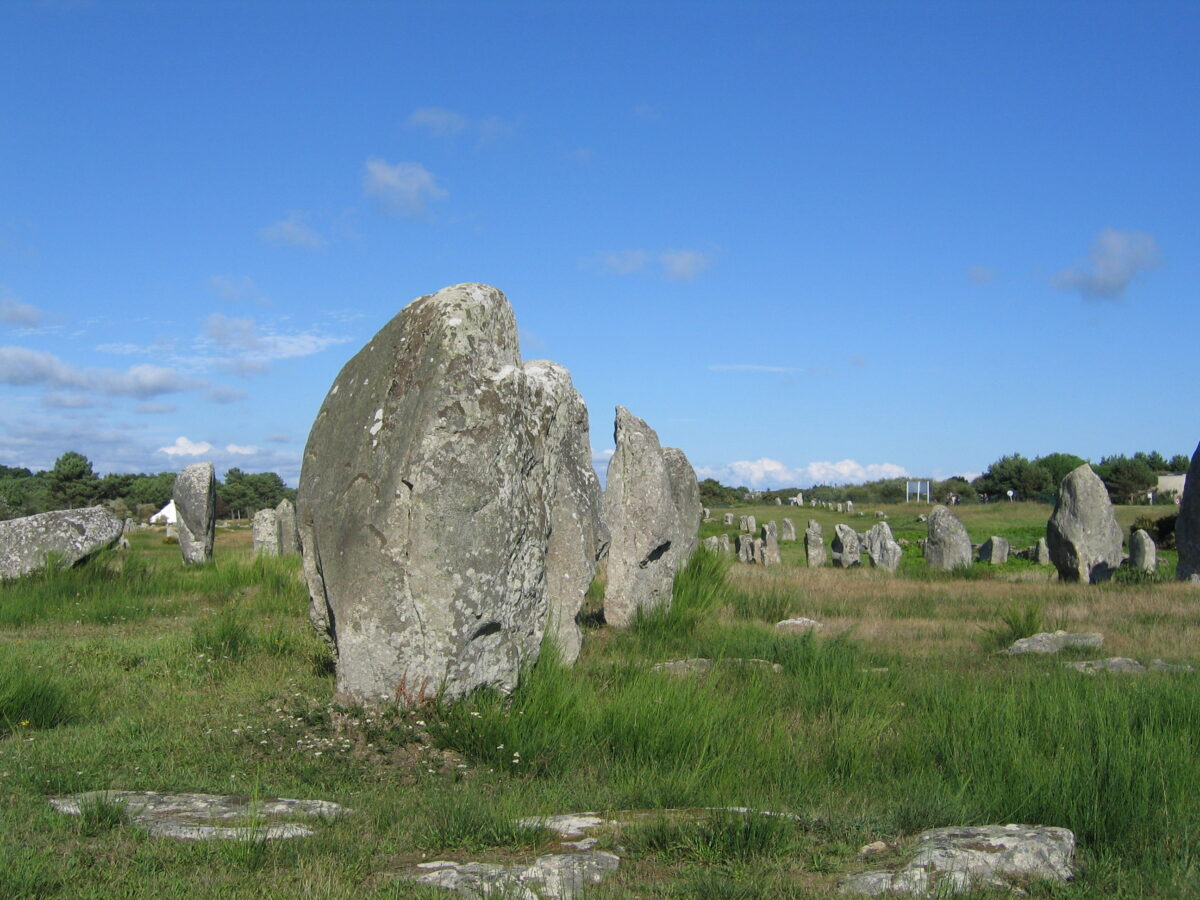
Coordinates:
236 288
767 473
647 111
251 350
68 401
14 312
1116 258
624 262
294 232
155 409
225 394
22 366
981 274
278 438
684 265
405 188
751 367
676 265
239 450
437 121
185 447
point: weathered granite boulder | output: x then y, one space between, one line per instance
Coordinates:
745 548
432 502
847 551
289 536
1040 552
195 496
651 503
1054 642
788 531
1143 555
960 860
1082 534
1187 526
770 546
728 518
948 545
265 533
63 536
800 625
814 545
712 544
994 551
882 549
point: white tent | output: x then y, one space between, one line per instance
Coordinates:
166 515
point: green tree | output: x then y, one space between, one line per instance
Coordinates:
1059 465
1127 479
72 481
1178 464
151 490
1013 473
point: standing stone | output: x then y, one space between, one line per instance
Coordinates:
651 504
724 543
814 545
778 501
745 548
1187 526
751 524
743 523
728 518
1083 534
1143 555
770 546
841 507
847 553
849 506
1040 552
705 515
62 536
788 531
948 545
712 544
266 533
758 551
289 537
432 481
994 551
195 496
770 528
882 549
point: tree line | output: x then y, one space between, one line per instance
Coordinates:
1128 479
71 483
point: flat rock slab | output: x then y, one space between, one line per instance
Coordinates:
1124 665
960 860
191 817
561 876
796 626
1054 642
65 536
701 666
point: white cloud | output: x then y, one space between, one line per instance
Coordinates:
601 457
684 265
294 232
405 187
278 438
771 473
239 450
750 367
252 352
22 366
68 401
237 288
185 447
14 312
625 262
223 394
155 409
437 121
1116 258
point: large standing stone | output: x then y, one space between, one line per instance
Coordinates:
433 499
195 496
289 537
788 531
745 548
1083 534
265 534
651 506
882 549
814 545
64 537
994 551
1187 526
948 545
847 552
770 546
1143 555
728 518
1040 552
724 538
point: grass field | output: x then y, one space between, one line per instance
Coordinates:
134 673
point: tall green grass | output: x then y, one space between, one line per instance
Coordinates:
32 698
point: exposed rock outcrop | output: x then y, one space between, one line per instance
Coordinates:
62 537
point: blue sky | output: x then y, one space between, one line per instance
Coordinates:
804 241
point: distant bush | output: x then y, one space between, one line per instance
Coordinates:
1161 529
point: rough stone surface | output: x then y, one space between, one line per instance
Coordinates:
651 506
1143 555
994 551
265 533
712 544
728 518
948 545
788 531
561 876
847 551
960 860
882 549
1187 526
725 547
190 817
195 496
67 535
1083 534
797 626
432 501
1118 664
1054 642
1040 552
814 545
289 536
745 548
